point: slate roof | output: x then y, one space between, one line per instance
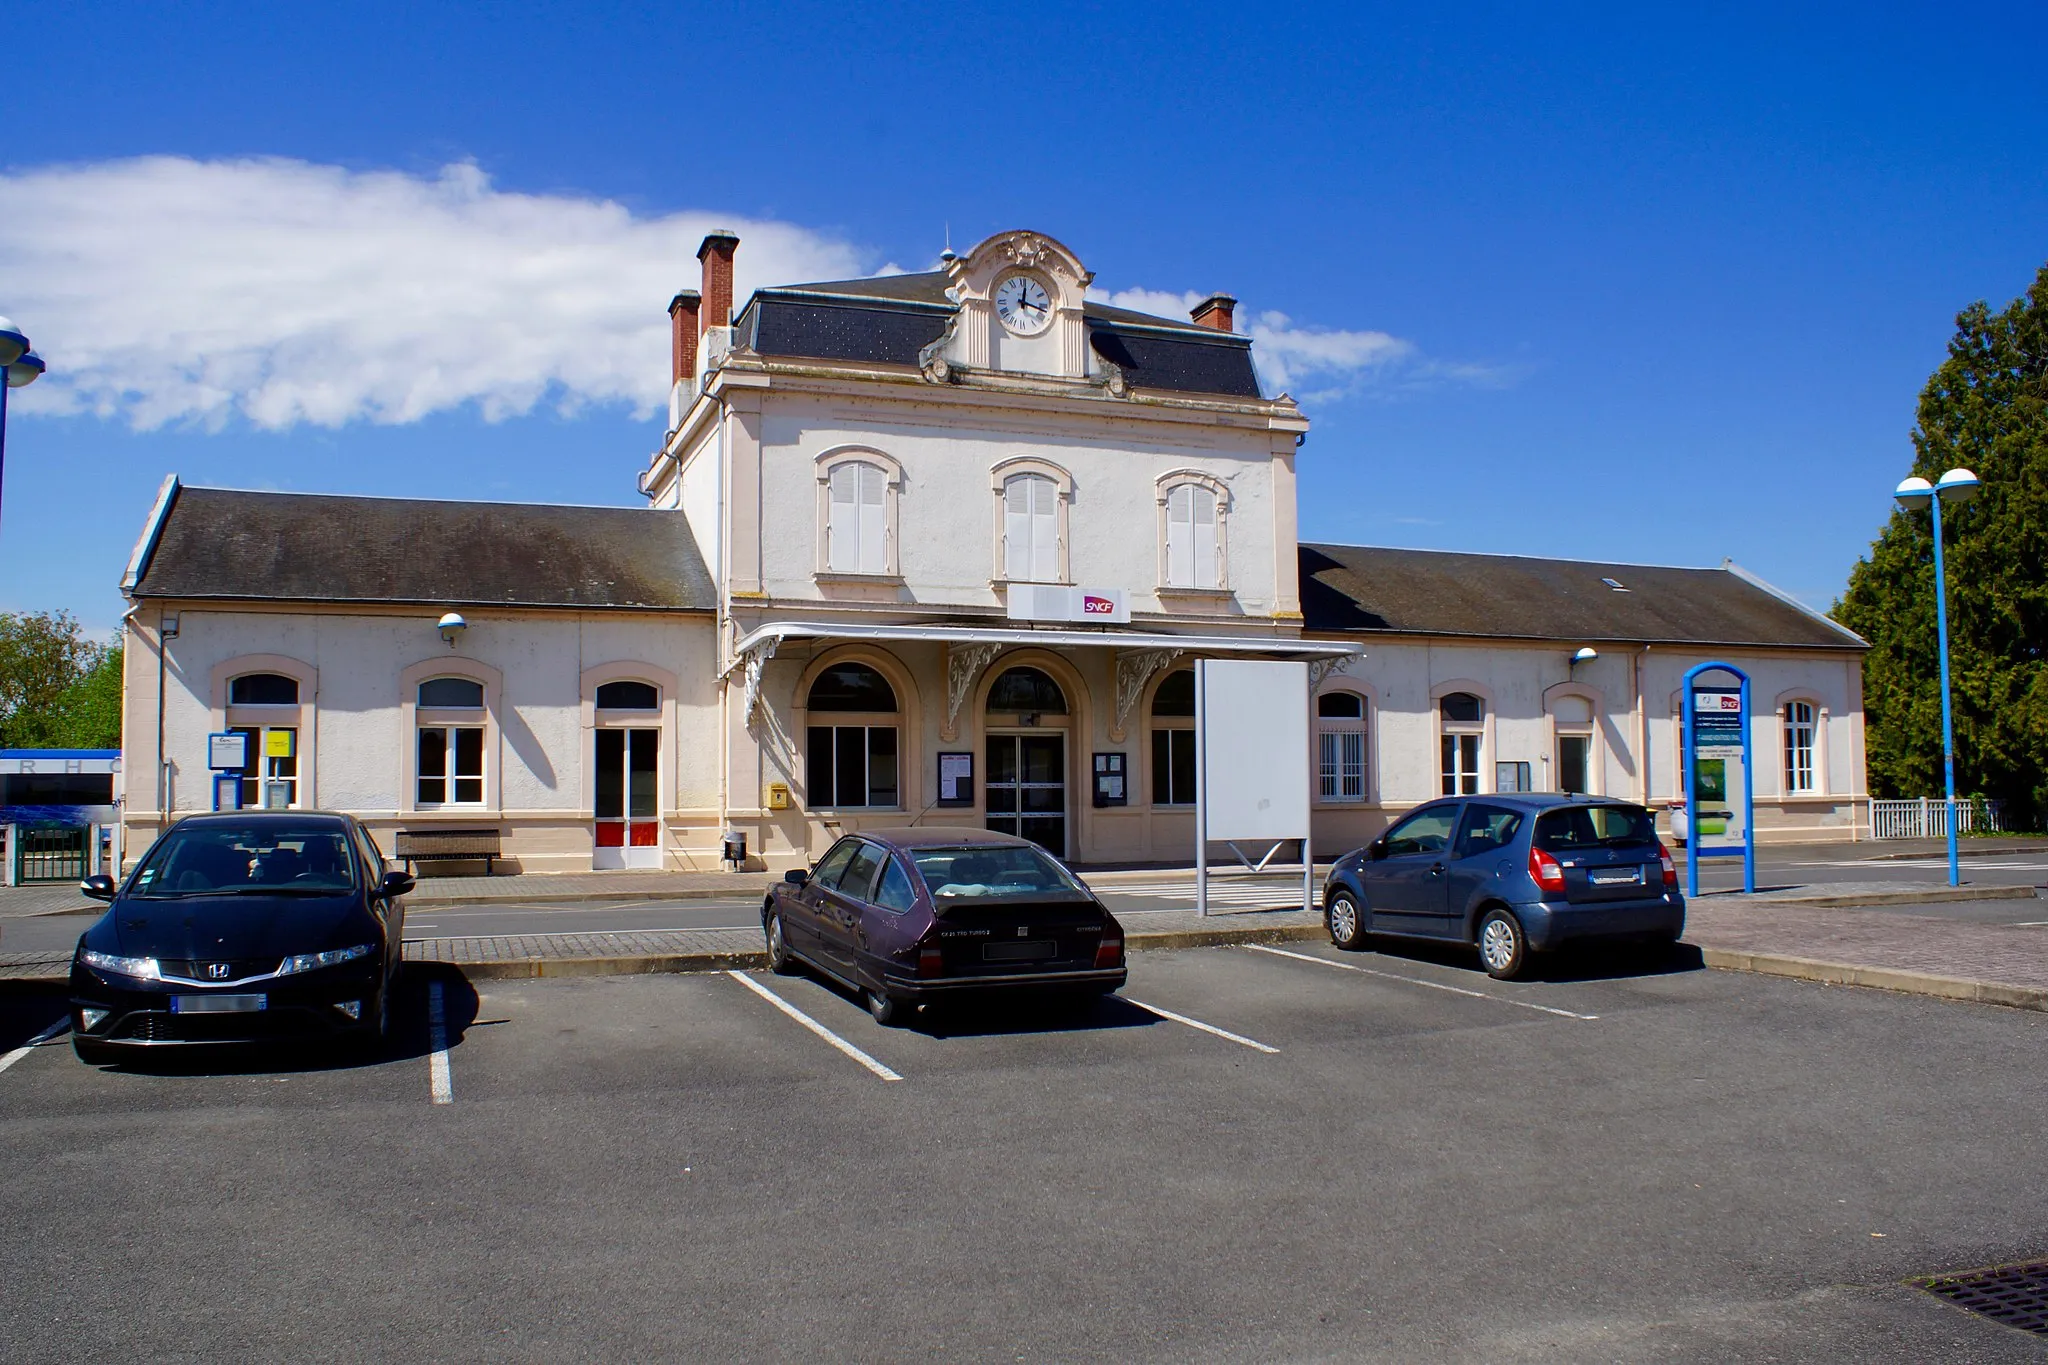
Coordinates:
889 319
1360 589
304 547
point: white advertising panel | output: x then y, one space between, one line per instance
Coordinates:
1718 727
1057 602
1251 745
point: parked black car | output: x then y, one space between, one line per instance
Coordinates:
911 916
242 927
1510 874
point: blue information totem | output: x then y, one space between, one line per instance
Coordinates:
1720 801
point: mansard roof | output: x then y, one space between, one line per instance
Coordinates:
1369 590
307 547
890 318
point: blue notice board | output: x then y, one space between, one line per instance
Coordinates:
1720 780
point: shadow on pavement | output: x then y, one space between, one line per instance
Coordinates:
1590 963
997 1017
411 1037
28 1010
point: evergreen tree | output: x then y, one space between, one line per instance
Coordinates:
1985 409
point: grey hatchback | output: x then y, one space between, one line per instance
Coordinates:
1512 875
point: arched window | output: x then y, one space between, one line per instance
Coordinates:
1462 717
851 762
263 689
452 693
628 695
1571 716
1173 740
1799 734
1027 690
1192 543
857 519
1031 529
1341 746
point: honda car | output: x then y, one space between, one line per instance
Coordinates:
242 927
1512 875
908 917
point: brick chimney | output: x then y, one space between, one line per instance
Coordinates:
683 327
1215 311
716 254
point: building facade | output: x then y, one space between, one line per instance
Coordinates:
936 547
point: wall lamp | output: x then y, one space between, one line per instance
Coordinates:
451 626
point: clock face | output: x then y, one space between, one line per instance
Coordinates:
1023 305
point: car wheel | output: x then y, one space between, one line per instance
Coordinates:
1345 921
1503 948
780 960
886 1008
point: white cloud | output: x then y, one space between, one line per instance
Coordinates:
1317 363
168 290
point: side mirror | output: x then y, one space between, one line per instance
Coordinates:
394 885
1376 850
796 876
98 887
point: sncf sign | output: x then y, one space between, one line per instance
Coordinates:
1050 602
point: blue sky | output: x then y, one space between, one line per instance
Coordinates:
1587 282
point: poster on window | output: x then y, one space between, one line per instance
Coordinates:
1716 802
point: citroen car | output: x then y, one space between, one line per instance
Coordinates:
913 916
242 927
1512 875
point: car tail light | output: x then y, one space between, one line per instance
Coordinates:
930 961
1670 868
1546 872
1109 951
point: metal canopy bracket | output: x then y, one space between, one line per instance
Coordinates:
964 663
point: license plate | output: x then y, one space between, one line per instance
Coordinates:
1614 876
1033 950
218 1004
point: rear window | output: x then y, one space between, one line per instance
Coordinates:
993 872
1570 827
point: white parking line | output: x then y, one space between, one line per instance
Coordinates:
1251 1043
437 1038
53 1031
1418 981
814 1026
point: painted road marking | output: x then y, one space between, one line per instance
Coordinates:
47 1035
1251 1043
814 1026
1418 981
437 1039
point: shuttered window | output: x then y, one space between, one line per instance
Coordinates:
857 520
1191 556
1031 529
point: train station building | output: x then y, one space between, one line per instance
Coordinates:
933 548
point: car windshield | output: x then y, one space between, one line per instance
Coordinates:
223 858
993 872
1569 827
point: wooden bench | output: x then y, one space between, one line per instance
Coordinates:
448 845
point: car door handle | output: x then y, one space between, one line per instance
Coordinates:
1436 869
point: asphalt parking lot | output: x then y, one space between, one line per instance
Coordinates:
1272 1157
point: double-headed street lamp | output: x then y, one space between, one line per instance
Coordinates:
20 366
1957 486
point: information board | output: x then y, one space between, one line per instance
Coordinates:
228 752
1719 783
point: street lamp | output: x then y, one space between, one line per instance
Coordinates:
21 366
1957 486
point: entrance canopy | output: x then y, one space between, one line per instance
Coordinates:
1140 653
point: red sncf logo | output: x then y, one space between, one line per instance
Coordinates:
1097 606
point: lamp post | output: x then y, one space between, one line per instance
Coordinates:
1957 486
21 366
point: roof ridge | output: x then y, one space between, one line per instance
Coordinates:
1508 554
393 497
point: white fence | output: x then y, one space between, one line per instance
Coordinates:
1927 818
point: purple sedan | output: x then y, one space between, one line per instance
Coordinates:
910 916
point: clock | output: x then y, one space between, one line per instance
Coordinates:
1023 305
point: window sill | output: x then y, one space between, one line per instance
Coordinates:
1197 594
891 580
1005 584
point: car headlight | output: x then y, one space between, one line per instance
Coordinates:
141 968
306 962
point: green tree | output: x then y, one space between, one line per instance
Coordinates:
57 688
1985 409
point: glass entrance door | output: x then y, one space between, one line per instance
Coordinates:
1027 788
628 804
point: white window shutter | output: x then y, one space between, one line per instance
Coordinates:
841 543
1180 548
874 520
1045 531
1017 530
1204 537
